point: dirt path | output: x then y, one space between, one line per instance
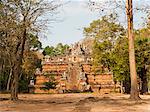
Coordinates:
74 103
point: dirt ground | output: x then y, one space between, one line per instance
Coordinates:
74 103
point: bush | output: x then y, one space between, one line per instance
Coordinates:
49 85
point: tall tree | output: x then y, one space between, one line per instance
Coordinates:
134 95
113 4
110 49
105 33
21 17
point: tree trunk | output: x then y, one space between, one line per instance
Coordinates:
15 73
134 94
9 80
14 84
17 67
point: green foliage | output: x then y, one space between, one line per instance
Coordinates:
120 60
4 69
33 42
142 52
19 18
49 51
104 29
3 80
120 63
142 49
105 32
49 85
60 49
111 48
30 63
23 84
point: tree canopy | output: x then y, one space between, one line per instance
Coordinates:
21 21
60 49
110 50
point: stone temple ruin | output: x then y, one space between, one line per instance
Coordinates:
73 72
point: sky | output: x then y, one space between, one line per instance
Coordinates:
74 16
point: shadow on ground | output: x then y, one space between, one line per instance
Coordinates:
76 104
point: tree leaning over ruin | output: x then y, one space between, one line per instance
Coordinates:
134 94
18 19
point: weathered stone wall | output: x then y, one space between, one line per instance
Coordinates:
54 67
102 83
73 71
